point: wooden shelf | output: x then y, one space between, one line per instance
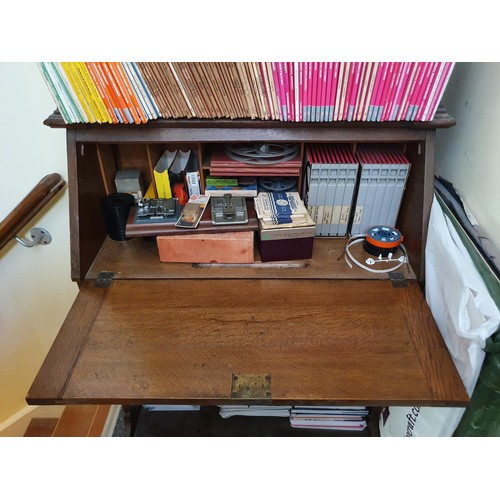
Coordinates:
138 259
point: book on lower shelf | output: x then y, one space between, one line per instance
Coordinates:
241 186
352 418
226 411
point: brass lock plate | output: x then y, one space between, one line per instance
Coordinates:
251 386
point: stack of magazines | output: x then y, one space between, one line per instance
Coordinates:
351 418
227 411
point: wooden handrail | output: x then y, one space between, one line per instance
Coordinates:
30 206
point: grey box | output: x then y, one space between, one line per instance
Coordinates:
128 181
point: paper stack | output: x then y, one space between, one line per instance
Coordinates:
283 209
351 418
227 411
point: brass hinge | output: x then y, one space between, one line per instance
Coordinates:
104 279
398 280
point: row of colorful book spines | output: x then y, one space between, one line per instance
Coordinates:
364 91
99 92
140 112
361 91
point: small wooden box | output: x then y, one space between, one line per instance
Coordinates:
221 248
289 249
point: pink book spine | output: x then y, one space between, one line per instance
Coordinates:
380 92
314 89
436 68
324 87
445 77
288 96
333 90
277 88
364 86
414 90
319 82
319 91
338 93
369 92
405 71
291 89
406 90
301 91
284 94
350 84
440 74
326 82
305 94
354 91
345 84
310 75
328 90
412 84
389 96
385 90
417 100
374 94
343 91
296 90
359 94
391 92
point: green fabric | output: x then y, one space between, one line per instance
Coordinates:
482 417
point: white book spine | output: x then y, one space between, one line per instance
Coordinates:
352 171
327 204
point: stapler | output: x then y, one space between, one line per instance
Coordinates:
228 209
157 210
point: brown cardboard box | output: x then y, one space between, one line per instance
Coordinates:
222 248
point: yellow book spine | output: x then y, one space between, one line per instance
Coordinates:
87 93
75 84
96 99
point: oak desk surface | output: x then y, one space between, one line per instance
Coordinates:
342 342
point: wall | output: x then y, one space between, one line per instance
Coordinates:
467 154
36 291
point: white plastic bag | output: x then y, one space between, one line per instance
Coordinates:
466 316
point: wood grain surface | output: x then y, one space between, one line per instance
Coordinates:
322 341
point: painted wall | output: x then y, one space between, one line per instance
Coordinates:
36 291
468 154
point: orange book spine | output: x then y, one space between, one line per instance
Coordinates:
115 69
110 87
118 92
130 94
101 88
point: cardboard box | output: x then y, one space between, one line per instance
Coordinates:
288 249
287 233
129 181
221 248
